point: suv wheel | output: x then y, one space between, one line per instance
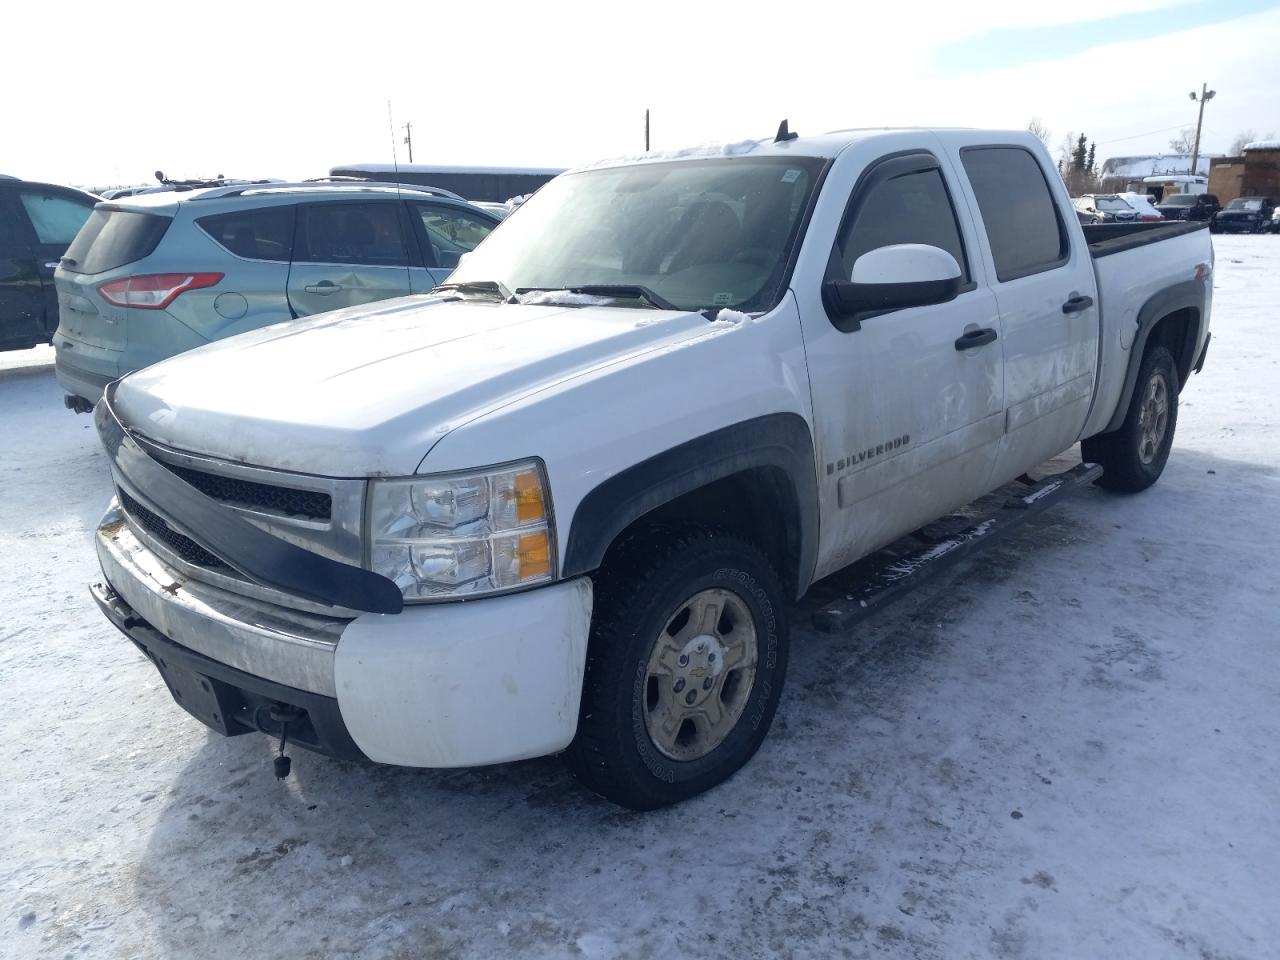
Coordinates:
685 666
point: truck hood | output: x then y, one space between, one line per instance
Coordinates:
367 391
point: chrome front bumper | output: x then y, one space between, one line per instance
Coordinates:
286 646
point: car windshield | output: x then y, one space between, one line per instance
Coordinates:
693 234
1243 204
1180 200
1112 205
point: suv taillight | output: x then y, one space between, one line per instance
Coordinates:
154 291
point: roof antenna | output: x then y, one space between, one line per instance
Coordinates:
784 134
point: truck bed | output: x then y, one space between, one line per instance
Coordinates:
1105 239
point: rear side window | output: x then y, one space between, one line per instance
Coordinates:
910 208
1023 227
449 232
357 233
54 217
113 237
262 234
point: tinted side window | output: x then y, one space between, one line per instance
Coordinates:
56 218
450 232
364 233
263 234
910 208
1017 208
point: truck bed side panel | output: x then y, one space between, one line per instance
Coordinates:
1127 280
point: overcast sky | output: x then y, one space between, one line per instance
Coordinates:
106 92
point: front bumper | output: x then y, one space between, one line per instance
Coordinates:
437 685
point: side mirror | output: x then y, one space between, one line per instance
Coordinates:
892 278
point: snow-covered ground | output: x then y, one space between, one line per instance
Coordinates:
1068 748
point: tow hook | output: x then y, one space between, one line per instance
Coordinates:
284 715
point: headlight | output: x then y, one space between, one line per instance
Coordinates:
462 534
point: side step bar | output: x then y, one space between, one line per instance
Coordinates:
902 575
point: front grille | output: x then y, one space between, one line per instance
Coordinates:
288 501
154 524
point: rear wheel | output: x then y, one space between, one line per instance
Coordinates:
685 666
1134 456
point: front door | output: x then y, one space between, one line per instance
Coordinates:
906 419
445 235
347 253
21 301
1045 292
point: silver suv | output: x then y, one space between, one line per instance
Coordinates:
153 275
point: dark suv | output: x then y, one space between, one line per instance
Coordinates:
1244 215
37 222
1189 206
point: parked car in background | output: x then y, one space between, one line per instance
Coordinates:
1189 206
1105 208
37 222
153 275
1145 204
1244 215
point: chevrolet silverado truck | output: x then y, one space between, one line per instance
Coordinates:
565 502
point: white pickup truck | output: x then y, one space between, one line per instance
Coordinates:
565 502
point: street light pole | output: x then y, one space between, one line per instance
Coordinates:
1205 96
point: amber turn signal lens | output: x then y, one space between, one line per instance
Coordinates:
534 553
529 505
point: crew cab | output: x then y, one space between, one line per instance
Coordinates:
566 500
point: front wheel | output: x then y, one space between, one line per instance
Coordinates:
685 666
1134 455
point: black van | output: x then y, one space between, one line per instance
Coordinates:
37 222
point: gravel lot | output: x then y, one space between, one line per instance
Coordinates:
1067 748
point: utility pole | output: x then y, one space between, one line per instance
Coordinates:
646 129
408 138
1205 96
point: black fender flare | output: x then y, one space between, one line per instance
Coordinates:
1187 295
779 443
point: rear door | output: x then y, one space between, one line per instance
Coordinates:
348 252
1045 288
22 305
906 418
445 235
56 216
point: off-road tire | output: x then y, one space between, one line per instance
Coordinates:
644 581
1119 452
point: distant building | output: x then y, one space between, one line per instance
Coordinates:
1151 165
1255 173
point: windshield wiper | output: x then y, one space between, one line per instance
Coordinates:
619 291
491 287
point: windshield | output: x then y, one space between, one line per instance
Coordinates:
1180 200
697 234
1243 204
1113 205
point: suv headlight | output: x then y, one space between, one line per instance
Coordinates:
458 535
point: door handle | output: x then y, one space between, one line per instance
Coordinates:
324 287
1077 303
975 338
51 265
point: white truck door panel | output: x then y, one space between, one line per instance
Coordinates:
1046 292
905 424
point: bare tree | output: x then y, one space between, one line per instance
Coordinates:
1184 141
1243 137
1037 127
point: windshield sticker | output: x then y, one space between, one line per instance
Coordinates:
791 176
722 299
